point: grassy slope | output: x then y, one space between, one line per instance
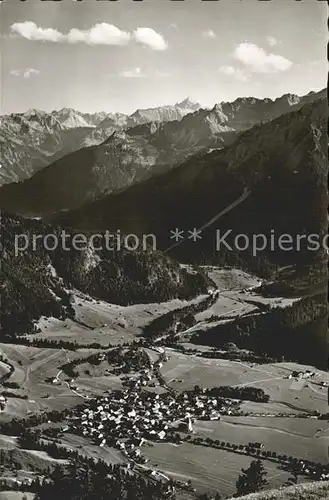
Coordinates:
308 491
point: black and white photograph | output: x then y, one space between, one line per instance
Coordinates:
164 250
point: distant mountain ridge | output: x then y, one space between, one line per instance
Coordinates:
131 155
250 109
119 121
33 140
166 113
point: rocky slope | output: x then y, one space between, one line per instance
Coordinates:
248 111
32 140
70 118
165 113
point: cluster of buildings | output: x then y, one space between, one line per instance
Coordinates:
127 419
318 471
302 375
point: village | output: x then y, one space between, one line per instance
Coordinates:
144 413
162 400
127 419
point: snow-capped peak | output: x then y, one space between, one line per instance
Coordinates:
188 104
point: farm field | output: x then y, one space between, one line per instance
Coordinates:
58 330
15 495
35 368
101 322
231 279
210 470
237 295
226 305
301 438
183 371
241 286
239 302
108 454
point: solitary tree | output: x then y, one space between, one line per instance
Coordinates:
252 479
204 496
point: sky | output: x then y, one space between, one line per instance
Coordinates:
118 56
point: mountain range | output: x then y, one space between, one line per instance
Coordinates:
273 176
32 140
120 121
120 152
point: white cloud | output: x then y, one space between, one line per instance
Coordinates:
237 73
100 34
173 25
150 38
132 73
257 60
31 31
25 73
272 41
29 72
209 34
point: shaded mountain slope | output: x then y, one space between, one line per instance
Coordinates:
282 163
84 175
131 155
37 281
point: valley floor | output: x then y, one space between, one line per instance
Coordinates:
210 457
